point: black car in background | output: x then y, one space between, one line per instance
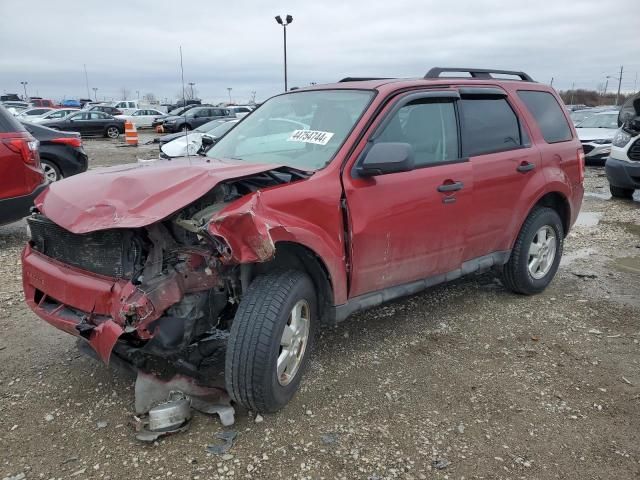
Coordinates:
176 112
195 117
89 122
61 153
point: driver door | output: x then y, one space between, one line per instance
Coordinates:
407 226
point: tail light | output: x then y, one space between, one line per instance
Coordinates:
580 154
23 144
71 141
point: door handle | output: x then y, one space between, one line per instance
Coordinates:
525 167
450 187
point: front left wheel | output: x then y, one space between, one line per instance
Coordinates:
271 339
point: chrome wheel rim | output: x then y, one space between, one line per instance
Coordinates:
542 252
293 343
49 172
113 132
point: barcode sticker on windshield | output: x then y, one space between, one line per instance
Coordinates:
310 136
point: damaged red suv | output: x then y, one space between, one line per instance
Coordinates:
322 202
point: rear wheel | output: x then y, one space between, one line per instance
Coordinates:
271 339
536 254
112 132
619 192
51 171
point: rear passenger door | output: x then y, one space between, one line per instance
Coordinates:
408 226
503 162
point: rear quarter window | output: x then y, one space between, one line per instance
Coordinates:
548 115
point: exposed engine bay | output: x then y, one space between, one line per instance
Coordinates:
178 291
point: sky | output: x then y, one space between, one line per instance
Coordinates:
134 45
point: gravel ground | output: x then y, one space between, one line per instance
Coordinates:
463 381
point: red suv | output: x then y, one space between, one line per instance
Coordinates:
21 177
322 202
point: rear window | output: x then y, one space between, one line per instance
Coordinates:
490 125
548 114
8 123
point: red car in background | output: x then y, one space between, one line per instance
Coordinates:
21 176
43 102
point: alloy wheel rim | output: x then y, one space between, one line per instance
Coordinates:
49 172
542 252
293 342
112 132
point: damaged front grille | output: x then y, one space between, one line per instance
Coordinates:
114 253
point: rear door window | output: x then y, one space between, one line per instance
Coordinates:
489 125
548 115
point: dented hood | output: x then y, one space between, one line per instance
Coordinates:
136 195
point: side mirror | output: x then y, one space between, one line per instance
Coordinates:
207 141
386 157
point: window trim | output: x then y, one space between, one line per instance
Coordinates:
402 101
535 120
494 96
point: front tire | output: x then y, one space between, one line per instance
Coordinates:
536 254
271 339
619 192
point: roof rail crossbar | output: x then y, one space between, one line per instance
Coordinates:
479 73
362 79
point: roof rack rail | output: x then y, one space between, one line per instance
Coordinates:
478 73
362 79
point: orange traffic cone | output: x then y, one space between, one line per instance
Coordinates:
130 133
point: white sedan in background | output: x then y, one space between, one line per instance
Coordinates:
143 117
30 114
56 114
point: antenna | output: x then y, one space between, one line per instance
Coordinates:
184 104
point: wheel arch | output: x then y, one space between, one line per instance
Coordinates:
293 255
558 202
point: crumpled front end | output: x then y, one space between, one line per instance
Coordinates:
160 296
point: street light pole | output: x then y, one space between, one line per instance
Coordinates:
191 84
95 93
287 20
229 89
24 85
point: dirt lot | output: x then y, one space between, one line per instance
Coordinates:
466 376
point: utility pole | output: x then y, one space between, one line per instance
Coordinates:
138 94
191 84
229 89
573 90
552 81
86 80
95 93
619 85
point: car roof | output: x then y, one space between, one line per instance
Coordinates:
389 85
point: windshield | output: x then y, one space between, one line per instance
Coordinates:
579 115
302 129
610 120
